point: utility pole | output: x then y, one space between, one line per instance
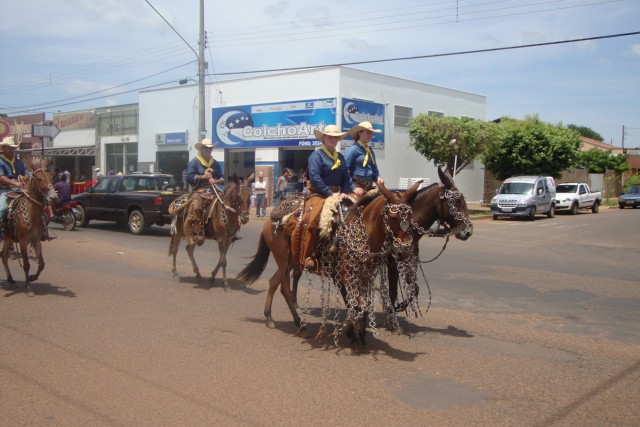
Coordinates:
623 138
202 132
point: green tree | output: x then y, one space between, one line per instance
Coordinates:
594 160
598 161
532 147
634 180
586 132
450 140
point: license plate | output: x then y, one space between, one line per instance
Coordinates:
629 202
506 209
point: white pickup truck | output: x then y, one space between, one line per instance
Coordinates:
572 196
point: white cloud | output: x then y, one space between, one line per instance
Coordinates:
635 49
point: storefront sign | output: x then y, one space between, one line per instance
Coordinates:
77 120
282 124
355 111
171 138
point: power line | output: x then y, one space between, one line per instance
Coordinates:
435 55
429 56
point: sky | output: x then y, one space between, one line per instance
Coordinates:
69 55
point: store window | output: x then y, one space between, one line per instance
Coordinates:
122 157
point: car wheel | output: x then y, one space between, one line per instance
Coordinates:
495 217
621 206
596 207
82 220
68 221
532 214
137 223
574 208
551 212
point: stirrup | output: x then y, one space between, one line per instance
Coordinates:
311 265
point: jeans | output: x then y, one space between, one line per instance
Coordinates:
261 200
4 204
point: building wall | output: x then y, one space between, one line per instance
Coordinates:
175 110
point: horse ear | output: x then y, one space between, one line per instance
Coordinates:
250 178
390 196
445 178
408 194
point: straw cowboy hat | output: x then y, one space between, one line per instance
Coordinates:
9 142
205 143
353 132
331 130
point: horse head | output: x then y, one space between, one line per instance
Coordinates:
39 184
239 197
453 207
397 217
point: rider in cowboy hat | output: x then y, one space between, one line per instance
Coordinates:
361 160
328 175
203 171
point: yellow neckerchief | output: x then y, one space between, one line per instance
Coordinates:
203 162
10 162
368 153
334 157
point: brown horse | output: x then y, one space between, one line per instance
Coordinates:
440 202
364 239
226 214
25 220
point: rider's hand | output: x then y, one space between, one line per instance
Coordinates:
380 181
359 192
206 176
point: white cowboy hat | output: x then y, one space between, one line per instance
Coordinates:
331 130
205 143
353 132
97 169
9 142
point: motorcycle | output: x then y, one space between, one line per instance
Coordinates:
65 215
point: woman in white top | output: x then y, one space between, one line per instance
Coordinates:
260 188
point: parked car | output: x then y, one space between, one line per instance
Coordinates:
572 196
525 196
631 197
139 200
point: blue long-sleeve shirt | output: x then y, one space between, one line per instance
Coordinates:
355 156
195 168
321 175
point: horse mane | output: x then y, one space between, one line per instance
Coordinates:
369 197
422 190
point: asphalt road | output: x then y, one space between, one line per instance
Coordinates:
531 323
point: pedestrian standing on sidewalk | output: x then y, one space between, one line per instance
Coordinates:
261 194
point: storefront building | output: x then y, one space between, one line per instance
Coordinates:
266 123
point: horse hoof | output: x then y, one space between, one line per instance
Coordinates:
30 294
271 324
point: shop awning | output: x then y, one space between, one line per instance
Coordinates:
89 151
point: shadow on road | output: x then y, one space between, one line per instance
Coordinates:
38 289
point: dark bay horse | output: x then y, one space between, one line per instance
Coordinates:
383 223
25 220
228 211
440 202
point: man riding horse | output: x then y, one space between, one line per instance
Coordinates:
328 174
203 172
11 168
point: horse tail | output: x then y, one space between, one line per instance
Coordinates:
254 269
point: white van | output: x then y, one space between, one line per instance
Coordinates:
525 196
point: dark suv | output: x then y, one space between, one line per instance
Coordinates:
631 197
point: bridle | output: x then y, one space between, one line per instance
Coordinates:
404 211
25 184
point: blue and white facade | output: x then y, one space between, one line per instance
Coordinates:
268 122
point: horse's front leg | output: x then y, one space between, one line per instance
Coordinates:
196 270
223 246
5 261
295 279
38 248
24 251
